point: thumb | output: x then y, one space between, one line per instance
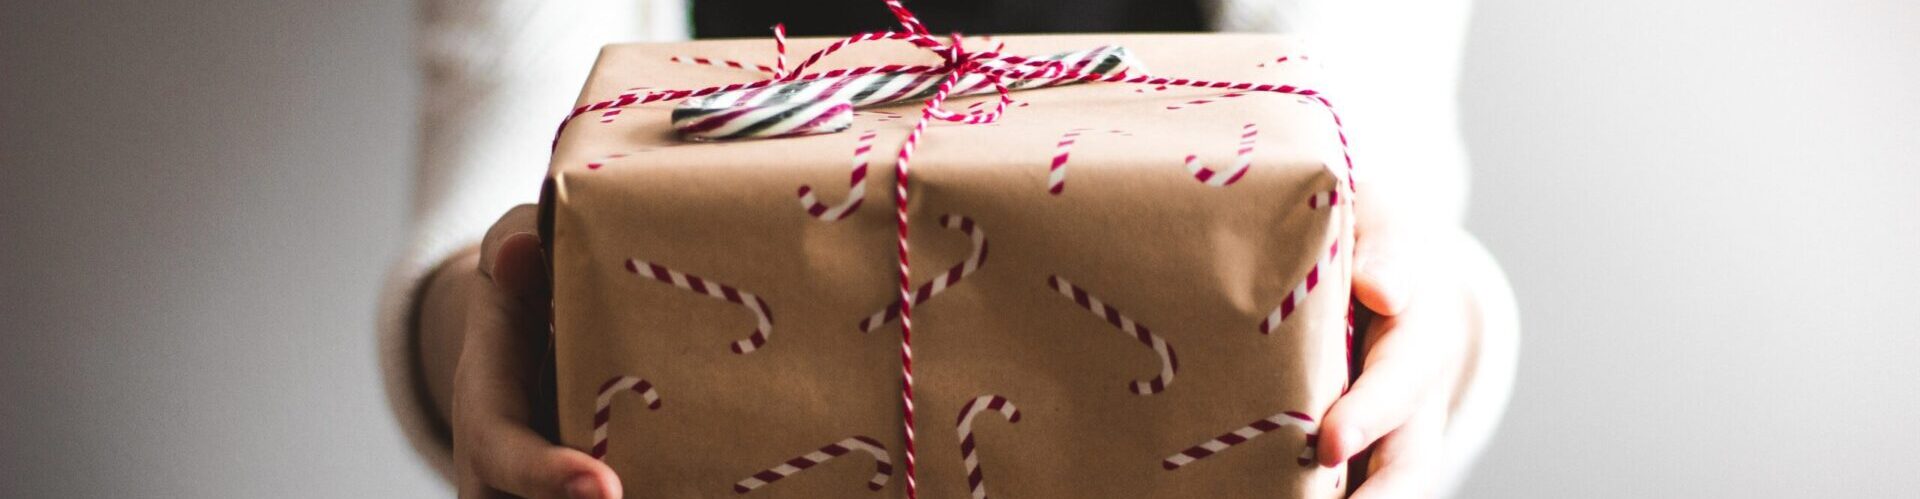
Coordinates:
1383 278
526 465
519 267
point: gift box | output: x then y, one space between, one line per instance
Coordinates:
1118 289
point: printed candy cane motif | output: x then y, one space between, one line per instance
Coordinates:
694 283
856 190
1169 364
1324 199
597 164
1232 174
882 466
964 427
603 407
1057 170
943 281
1257 428
1283 59
1298 295
1204 101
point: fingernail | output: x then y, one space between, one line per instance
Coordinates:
583 487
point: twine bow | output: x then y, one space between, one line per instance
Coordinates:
985 70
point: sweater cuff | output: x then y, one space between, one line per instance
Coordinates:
399 347
1486 382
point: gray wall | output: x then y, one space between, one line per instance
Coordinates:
199 197
1707 207
1709 211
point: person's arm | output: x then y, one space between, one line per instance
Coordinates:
1447 310
497 76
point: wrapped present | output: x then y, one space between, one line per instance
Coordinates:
1132 287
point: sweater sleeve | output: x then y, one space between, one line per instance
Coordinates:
497 75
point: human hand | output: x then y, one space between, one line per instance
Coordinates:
497 449
1416 345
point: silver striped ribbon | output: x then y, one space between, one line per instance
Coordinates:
826 105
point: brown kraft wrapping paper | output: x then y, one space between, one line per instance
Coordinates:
666 253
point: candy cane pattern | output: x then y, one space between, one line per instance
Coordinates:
943 281
603 161
603 407
1240 163
752 302
964 427
1204 101
1282 59
1057 170
1324 199
882 464
1169 364
856 190
1257 428
1298 295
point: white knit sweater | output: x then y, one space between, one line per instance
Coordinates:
500 72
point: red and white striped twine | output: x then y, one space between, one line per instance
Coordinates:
763 316
943 281
1169 363
1241 162
994 68
1243 434
882 464
725 63
969 454
603 407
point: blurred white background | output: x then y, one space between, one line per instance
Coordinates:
1708 208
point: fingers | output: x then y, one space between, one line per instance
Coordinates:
519 267
522 219
493 406
1406 361
1391 244
1407 463
467 484
522 464
494 438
